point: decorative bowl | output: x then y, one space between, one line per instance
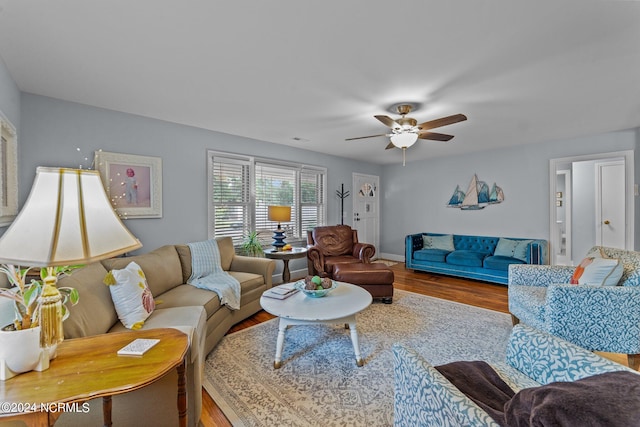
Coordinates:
316 293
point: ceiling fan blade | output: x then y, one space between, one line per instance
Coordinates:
388 121
435 136
363 137
389 146
443 121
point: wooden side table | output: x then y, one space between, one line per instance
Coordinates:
89 367
285 256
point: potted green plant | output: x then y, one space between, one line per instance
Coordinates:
20 341
252 246
26 296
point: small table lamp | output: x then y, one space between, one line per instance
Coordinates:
279 214
66 220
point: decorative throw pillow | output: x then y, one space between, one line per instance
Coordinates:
597 270
512 248
438 242
131 295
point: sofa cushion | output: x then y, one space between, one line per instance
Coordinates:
466 258
438 242
248 281
497 262
513 248
95 313
187 295
432 255
131 295
161 266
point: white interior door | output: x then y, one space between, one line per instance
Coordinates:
366 209
610 205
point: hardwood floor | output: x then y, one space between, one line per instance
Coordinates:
480 294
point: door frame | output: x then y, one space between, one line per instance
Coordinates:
629 197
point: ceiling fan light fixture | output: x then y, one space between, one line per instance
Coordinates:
404 139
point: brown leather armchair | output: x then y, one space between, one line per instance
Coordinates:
335 244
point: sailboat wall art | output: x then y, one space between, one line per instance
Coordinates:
478 196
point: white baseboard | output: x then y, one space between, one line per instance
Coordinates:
392 257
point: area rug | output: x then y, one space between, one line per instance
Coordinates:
319 383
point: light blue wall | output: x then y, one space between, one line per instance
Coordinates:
414 197
52 130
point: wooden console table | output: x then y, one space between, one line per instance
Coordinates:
86 368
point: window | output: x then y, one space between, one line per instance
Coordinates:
242 188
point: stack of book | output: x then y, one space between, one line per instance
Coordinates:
280 292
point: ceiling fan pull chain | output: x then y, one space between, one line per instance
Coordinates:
404 151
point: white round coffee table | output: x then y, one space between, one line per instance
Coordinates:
340 306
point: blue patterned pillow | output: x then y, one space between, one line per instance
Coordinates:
438 242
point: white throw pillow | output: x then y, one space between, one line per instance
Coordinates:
596 269
131 295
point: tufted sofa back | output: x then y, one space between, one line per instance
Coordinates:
475 243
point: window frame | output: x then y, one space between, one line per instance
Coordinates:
253 162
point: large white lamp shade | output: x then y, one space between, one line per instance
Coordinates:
66 220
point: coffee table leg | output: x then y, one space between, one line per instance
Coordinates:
282 327
354 341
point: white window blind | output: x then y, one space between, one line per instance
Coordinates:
242 188
230 206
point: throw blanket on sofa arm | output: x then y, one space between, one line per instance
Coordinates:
207 273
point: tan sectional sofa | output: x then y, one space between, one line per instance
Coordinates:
195 311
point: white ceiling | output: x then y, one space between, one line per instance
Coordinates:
522 71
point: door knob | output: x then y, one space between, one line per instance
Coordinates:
607 222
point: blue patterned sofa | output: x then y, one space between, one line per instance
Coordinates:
474 257
600 318
424 397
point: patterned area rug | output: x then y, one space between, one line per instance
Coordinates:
319 382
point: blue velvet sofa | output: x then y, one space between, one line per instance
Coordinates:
474 257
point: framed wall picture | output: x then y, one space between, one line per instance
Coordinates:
133 183
8 171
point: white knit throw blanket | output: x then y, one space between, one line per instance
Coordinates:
207 273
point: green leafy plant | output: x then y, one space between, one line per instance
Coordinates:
252 246
26 296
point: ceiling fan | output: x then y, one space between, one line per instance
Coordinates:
405 131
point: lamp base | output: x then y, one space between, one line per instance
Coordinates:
278 239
